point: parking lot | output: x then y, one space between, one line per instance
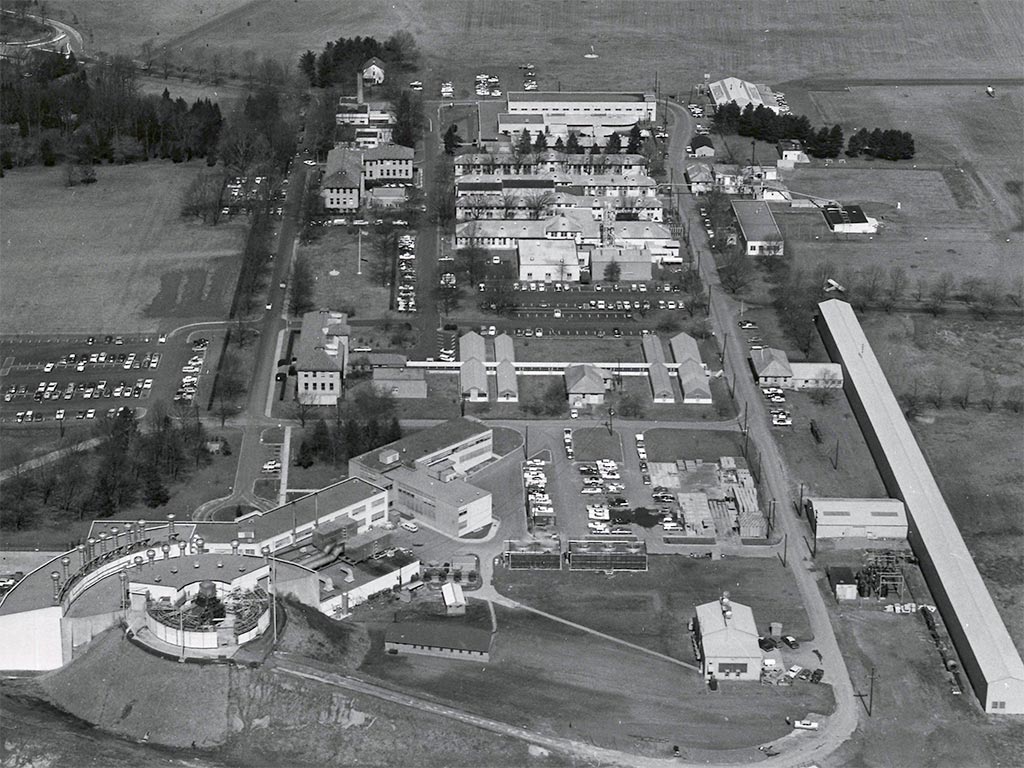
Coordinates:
90 378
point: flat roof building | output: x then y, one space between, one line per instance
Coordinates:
436 638
425 474
634 263
989 656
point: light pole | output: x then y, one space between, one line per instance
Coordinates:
611 421
359 253
273 590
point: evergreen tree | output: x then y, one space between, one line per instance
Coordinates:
559 144
525 145
154 492
834 145
614 144
572 146
541 142
451 139
635 140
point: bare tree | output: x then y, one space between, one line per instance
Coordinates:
897 283
825 394
538 203
938 388
912 398
920 289
990 392
1016 293
989 298
970 287
963 393
147 52
871 283
301 408
249 64
942 287
199 61
510 204
1014 399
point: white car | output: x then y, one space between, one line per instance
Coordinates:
410 527
806 725
598 515
309 162
591 491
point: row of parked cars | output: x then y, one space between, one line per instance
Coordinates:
406 300
603 477
191 372
62 414
535 482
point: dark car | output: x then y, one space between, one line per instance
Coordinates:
817 675
767 644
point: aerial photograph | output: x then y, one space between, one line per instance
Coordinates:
512 383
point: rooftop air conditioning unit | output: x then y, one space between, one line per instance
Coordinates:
388 457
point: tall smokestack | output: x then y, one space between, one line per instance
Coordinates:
359 87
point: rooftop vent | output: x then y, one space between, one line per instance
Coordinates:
388 457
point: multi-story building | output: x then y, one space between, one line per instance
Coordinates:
387 163
592 116
342 186
321 357
425 472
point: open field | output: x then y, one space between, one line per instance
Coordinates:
652 609
771 41
122 261
957 126
564 682
592 443
950 730
665 444
928 234
228 96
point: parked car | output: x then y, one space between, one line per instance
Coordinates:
791 641
410 527
806 725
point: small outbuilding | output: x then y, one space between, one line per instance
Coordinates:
586 384
857 518
702 146
373 71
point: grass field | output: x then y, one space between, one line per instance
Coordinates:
953 126
929 233
564 682
766 41
676 444
652 609
950 730
228 96
592 443
111 257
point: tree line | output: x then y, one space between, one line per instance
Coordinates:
132 465
765 124
64 110
341 60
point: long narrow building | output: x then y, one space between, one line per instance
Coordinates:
990 659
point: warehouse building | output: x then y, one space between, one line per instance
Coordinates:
989 657
857 518
727 641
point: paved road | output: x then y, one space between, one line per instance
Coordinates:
834 84
725 313
49 458
250 455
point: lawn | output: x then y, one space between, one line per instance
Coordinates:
333 260
578 349
652 609
564 682
675 444
124 262
592 443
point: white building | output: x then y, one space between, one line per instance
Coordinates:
373 71
321 357
342 186
549 260
857 518
727 638
592 116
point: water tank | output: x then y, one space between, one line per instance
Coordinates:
207 589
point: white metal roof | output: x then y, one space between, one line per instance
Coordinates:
931 520
732 637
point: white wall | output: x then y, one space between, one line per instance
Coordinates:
31 640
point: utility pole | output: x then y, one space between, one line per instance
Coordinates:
835 461
871 692
785 549
359 253
746 409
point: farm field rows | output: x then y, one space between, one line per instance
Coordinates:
111 257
